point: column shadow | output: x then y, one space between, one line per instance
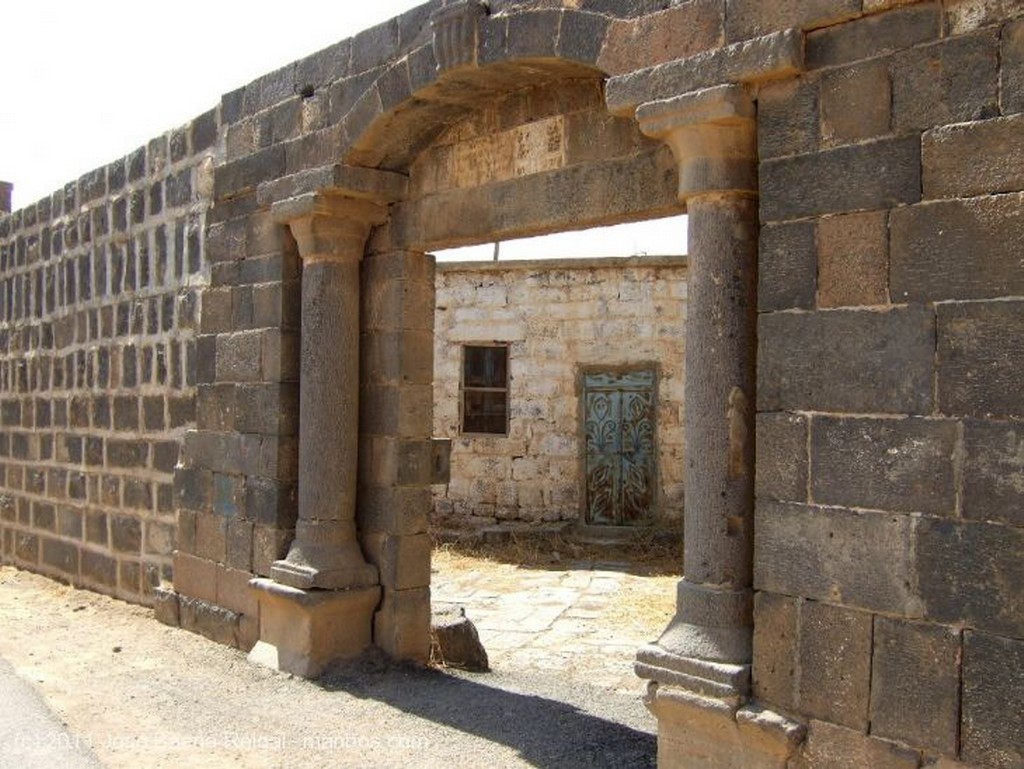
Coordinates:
546 733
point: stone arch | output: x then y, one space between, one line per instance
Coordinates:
474 65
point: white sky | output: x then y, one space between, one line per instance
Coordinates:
84 83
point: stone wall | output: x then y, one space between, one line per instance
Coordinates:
889 466
99 298
559 318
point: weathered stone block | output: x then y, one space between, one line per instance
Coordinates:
957 249
401 626
99 570
126 534
860 362
992 729
269 545
953 81
165 606
195 577
980 357
1011 83
211 536
208 620
835 664
239 545
402 561
855 104
782 457
749 18
874 36
904 465
774 674
788 269
834 747
915 684
676 33
974 158
234 591
994 472
831 554
853 260
396 510
869 176
971 573
238 357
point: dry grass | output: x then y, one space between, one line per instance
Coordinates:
643 554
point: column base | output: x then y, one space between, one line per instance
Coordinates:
303 632
709 733
330 565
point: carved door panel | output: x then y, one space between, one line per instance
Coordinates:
620 453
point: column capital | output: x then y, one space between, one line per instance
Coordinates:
329 226
713 135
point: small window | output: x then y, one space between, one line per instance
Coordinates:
485 389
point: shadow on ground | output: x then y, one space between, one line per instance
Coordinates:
546 732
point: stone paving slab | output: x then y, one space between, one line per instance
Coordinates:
575 618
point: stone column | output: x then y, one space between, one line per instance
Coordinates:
318 604
707 646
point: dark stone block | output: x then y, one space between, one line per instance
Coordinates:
204 131
193 488
974 159
874 36
953 81
826 553
788 267
375 46
127 453
904 465
138 495
270 503
96 529
69 522
782 457
581 36
971 573
915 684
749 18
1012 69
242 176
60 555
227 495
835 664
775 650
126 534
980 357
992 727
126 413
869 176
958 249
99 569
455 640
788 118
860 362
994 472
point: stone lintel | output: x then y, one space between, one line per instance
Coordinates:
348 181
456 30
702 731
780 54
303 632
328 225
713 135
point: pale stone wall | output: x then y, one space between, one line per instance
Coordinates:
558 317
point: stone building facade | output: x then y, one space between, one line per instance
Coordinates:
560 322
850 169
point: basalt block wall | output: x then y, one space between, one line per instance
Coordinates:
889 463
99 298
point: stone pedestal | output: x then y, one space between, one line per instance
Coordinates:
303 632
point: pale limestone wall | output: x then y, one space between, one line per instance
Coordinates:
558 317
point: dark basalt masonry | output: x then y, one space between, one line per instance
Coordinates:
150 316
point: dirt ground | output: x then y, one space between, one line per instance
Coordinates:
137 693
